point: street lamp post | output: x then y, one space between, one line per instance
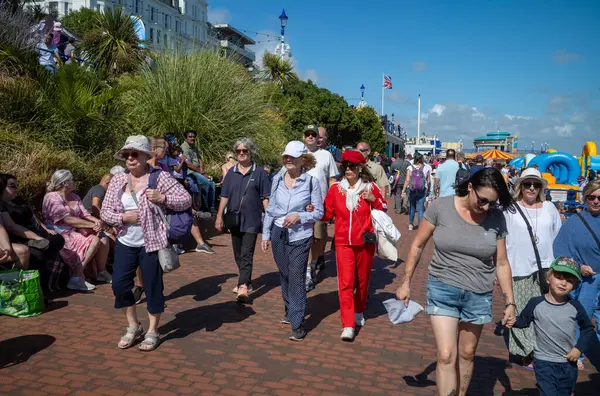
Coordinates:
362 102
282 48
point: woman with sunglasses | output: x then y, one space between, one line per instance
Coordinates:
86 248
350 202
470 253
129 206
545 222
579 238
244 197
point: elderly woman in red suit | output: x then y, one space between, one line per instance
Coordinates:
350 202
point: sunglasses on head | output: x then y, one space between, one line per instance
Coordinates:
311 133
242 151
127 154
527 185
592 198
484 201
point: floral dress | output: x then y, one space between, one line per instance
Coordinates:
55 209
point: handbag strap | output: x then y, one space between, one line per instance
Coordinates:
532 237
587 225
246 188
158 208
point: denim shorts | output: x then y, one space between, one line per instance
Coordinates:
446 300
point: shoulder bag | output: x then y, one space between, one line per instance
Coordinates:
231 218
587 225
167 257
538 260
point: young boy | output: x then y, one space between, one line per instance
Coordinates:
555 318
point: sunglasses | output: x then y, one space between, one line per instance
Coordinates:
527 185
127 154
351 166
484 201
363 150
242 151
11 186
310 133
592 198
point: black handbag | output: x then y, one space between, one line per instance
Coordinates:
232 218
541 271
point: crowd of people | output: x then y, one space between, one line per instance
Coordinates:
490 224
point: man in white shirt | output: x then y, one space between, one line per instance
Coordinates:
325 172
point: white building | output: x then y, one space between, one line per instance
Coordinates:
233 42
170 24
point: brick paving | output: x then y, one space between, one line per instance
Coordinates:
212 345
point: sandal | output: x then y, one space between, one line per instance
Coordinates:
131 336
150 343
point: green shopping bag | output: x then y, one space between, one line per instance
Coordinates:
21 293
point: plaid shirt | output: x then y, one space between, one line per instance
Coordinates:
155 233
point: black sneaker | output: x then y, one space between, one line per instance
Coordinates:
298 334
138 293
320 266
285 320
204 249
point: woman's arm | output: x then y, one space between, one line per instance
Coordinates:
108 212
424 233
77 222
504 276
177 168
316 201
379 203
406 181
329 206
268 220
17 229
176 197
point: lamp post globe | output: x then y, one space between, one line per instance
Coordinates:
283 18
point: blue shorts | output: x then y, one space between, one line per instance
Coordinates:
467 306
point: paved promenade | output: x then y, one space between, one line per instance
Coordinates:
212 345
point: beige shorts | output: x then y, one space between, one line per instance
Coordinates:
320 230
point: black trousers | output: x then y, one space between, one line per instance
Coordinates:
243 244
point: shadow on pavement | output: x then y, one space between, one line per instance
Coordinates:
264 284
320 306
202 289
19 349
488 371
375 307
208 317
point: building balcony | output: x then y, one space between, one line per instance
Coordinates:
239 50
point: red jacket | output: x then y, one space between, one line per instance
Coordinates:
350 227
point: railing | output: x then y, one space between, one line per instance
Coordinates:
242 51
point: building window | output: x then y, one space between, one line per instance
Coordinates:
176 26
151 35
53 7
66 8
165 41
152 14
158 37
137 6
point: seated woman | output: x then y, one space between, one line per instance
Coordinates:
23 227
84 244
12 252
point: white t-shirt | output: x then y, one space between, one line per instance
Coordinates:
545 224
324 169
131 235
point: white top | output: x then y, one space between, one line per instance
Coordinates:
324 169
131 235
518 243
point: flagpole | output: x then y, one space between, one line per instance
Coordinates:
382 91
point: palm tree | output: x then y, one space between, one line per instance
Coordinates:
113 43
278 70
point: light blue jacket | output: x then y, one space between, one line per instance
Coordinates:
284 201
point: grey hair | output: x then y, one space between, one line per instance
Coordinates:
249 144
489 162
58 179
116 169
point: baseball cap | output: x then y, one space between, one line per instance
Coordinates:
312 127
294 149
479 158
567 265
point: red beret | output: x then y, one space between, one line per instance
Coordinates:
354 157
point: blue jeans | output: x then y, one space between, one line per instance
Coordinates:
417 204
446 300
127 260
207 189
555 379
588 293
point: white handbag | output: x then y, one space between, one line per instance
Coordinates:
167 257
387 235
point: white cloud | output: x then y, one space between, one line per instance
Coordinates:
517 117
310 74
558 104
562 57
419 66
565 130
437 109
219 15
477 113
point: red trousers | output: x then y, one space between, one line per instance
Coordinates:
353 264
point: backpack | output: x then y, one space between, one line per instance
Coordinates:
180 222
462 175
417 182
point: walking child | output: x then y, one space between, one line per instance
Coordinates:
556 318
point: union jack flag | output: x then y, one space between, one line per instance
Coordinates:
387 82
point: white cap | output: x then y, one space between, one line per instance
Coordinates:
295 149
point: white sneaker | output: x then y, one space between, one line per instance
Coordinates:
79 284
104 276
410 227
359 319
347 334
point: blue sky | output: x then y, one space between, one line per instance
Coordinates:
528 67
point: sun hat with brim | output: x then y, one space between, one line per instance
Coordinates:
136 143
566 265
532 173
294 149
311 127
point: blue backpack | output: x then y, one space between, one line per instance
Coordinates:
179 222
